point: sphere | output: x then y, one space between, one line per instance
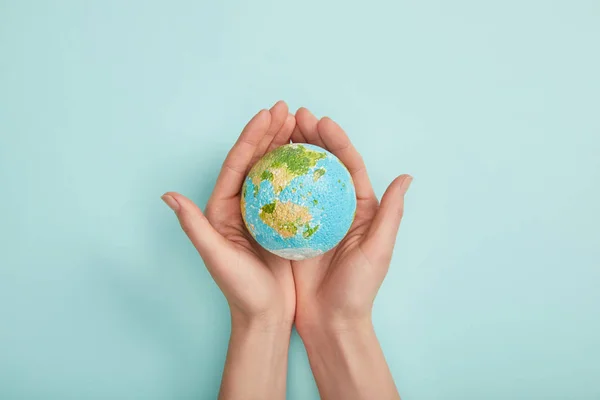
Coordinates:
298 201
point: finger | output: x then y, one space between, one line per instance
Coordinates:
337 142
297 136
209 243
279 113
284 134
307 123
381 237
236 164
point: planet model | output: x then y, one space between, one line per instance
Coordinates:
298 201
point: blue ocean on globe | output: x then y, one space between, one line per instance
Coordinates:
298 201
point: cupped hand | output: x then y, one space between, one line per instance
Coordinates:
258 285
337 289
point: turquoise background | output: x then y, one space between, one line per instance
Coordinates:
493 106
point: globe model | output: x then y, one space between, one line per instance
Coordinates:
298 201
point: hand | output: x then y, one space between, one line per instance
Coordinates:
258 285
335 291
340 286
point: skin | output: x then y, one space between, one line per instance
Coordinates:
329 297
335 291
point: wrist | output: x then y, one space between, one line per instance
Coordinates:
317 322
330 332
261 324
347 360
256 357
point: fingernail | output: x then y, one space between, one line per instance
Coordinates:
277 102
406 184
171 202
304 109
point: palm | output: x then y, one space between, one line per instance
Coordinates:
271 276
329 278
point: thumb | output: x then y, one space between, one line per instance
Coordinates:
381 237
202 234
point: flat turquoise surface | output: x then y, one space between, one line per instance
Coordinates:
493 106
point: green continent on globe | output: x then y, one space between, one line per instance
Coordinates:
318 173
284 164
287 218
